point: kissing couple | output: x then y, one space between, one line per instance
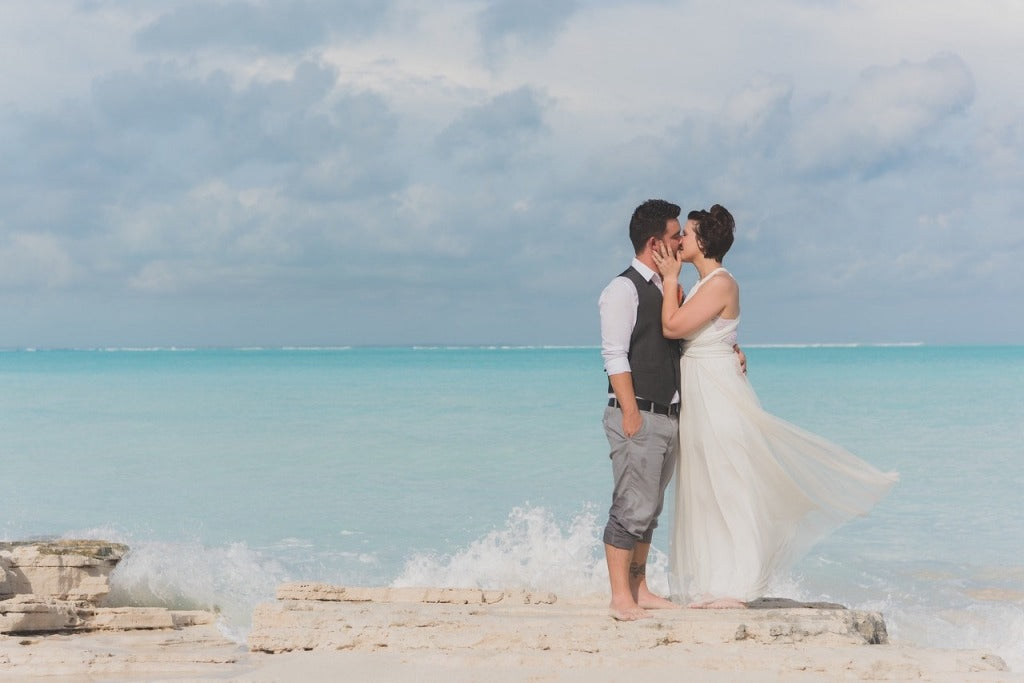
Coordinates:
753 492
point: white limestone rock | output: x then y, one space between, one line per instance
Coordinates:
315 616
199 653
33 614
6 578
454 596
57 586
64 570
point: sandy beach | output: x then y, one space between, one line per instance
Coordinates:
55 627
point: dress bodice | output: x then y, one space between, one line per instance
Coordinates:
717 337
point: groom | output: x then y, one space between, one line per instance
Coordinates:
641 420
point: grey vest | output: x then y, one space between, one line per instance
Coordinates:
653 360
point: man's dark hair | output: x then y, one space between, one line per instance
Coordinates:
715 229
650 220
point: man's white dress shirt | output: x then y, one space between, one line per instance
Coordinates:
618 304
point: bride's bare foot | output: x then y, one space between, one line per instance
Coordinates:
718 603
627 611
649 600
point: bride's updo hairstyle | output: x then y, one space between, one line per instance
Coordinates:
715 229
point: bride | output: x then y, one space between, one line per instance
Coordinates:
753 492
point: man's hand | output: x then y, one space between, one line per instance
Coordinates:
622 385
742 356
632 421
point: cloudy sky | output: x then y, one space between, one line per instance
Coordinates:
331 172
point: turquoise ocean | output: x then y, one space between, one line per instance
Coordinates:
229 471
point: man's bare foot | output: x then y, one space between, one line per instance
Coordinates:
649 600
630 615
627 611
718 603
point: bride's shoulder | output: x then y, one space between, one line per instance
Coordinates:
723 280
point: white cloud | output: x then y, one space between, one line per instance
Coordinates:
282 26
885 116
515 25
493 134
1000 145
30 260
491 151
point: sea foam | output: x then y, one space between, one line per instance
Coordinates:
533 551
229 580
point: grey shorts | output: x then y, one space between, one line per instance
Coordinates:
642 466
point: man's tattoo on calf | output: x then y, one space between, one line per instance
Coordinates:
637 570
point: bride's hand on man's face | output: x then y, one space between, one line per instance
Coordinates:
667 261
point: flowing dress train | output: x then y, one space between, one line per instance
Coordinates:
753 492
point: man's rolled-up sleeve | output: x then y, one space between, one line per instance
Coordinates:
618 304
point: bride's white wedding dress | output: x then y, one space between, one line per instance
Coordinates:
753 492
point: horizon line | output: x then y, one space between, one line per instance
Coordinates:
462 347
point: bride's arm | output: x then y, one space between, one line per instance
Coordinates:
681 319
678 321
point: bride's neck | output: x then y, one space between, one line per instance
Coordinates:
706 266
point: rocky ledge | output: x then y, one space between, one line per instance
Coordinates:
308 616
59 586
780 637
53 623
